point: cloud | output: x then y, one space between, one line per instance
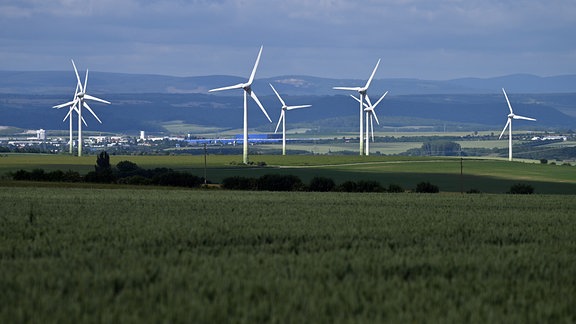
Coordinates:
308 37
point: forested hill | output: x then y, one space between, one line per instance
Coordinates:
150 112
63 82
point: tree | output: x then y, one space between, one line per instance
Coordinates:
102 170
521 189
427 187
279 182
322 184
103 161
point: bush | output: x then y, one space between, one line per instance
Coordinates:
322 184
38 175
427 187
21 175
135 180
361 186
521 189
239 183
100 176
368 186
127 169
280 182
543 161
394 188
348 186
473 191
53 176
177 179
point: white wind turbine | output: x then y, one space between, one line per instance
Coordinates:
283 118
362 91
247 87
79 102
508 125
370 114
72 106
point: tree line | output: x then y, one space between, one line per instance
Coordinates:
127 172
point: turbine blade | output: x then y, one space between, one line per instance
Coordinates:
69 103
85 81
348 88
368 101
377 102
68 114
372 127
236 86
279 120
363 103
277 95
76 91
505 126
524 118
375 117
508 101
253 95
84 121
255 66
372 75
297 107
89 97
79 84
90 110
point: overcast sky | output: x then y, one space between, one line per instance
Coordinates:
424 39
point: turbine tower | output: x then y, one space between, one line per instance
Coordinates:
370 114
283 118
362 91
508 125
72 106
79 102
247 87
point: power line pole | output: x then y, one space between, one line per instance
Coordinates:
205 153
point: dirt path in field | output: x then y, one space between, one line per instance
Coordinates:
356 163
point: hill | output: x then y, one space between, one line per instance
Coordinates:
148 102
61 82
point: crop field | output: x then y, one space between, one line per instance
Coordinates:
157 255
485 175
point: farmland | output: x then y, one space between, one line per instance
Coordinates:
126 255
485 175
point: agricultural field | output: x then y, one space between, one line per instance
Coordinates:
158 255
450 174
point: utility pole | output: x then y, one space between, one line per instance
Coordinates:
461 172
205 153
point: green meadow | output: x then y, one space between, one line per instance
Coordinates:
450 174
204 256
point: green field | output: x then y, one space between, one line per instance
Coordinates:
485 175
122 255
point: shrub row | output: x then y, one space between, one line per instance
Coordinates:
278 182
125 172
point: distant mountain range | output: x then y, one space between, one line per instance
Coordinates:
150 102
103 82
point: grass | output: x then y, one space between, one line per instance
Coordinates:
486 175
123 255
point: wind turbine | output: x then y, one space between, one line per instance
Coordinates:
72 106
283 118
508 125
362 91
247 91
79 102
370 113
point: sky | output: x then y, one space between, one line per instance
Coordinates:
422 39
